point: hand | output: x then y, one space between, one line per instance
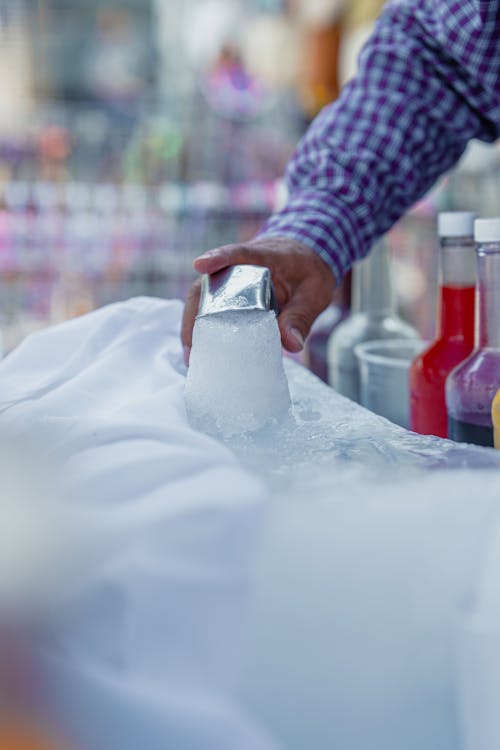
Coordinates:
303 283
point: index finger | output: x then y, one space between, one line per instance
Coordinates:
230 255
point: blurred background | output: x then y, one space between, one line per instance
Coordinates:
135 134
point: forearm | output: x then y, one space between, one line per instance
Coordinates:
421 94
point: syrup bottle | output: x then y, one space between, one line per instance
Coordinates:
315 351
455 330
373 317
472 386
495 416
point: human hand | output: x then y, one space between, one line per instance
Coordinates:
303 283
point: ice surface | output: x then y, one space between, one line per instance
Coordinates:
327 442
298 586
236 383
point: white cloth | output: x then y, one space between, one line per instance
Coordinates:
148 652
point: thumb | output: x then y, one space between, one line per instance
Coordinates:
297 317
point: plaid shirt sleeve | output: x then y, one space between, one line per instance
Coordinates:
429 81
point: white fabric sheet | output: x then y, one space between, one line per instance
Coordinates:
147 652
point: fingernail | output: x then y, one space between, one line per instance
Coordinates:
206 256
187 354
296 334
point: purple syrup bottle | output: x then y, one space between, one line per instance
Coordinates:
472 386
315 350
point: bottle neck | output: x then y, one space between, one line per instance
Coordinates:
488 296
457 289
372 288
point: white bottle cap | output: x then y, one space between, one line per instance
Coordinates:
456 224
487 230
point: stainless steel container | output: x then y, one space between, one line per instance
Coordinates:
237 288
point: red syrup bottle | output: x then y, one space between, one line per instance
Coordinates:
455 330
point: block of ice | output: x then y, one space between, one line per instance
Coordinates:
236 382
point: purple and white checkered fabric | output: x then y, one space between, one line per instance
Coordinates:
429 81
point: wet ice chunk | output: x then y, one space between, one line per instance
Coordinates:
236 382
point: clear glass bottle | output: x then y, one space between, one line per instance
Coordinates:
472 386
373 317
455 327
